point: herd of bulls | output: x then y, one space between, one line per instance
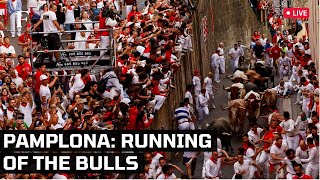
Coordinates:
248 95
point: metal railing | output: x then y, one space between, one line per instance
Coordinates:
79 22
72 50
72 31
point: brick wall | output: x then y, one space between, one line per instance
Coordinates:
232 20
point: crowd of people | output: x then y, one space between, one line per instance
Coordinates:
149 44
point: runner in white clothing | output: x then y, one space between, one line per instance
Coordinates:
289 162
313 160
208 86
235 55
242 168
292 133
215 64
222 58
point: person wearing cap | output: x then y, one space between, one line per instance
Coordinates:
44 90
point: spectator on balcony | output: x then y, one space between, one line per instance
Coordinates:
14 10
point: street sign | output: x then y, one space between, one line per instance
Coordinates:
296 13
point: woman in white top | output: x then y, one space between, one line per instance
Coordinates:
85 19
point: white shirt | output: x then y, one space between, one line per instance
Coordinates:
196 83
288 86
88 26
48 18
289 164
208 84
215 60
285 61
302 154
189 154
162 176
235 54
27 111
203 100
313 159
221 52
81 44
70 15
301 125
18 81
279 152
32 3
45 91
189 95
242 167
8 50
14 4
212 169
288 125
255 137
77 86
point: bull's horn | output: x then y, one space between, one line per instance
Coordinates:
242 107
224 108
264 104
228 88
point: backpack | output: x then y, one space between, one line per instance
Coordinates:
103 83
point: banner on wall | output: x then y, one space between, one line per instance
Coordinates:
205 28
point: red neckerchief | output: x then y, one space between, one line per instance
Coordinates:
6 45
279 146
311 146
24 104
13 0
245 146
11 109
29 84
306 83
4 98
69 7
304 149
214 161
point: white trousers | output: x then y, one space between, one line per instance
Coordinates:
159 101
117 5
187 43
216 73
110 94
186 126
15 21
305 105
222 64
202 112
128 10
293 142
312 170
283 71
262 161
104 43
234 64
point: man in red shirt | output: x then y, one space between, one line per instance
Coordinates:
42 70
24 69
275 52
299 174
